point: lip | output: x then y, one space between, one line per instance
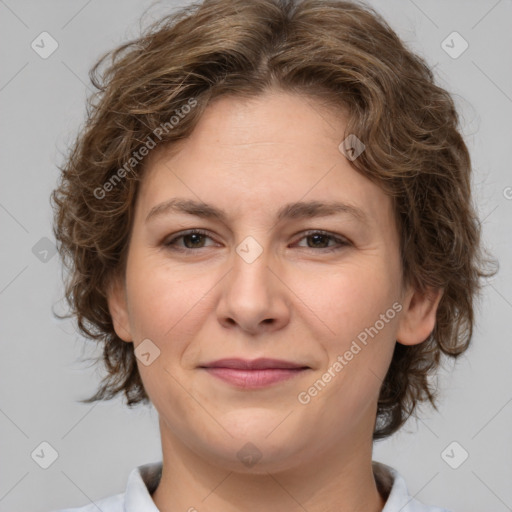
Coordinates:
253 374
262 363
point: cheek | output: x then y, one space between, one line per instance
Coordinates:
353 298
164 301
360 304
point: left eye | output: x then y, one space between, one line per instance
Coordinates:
195 239
319 240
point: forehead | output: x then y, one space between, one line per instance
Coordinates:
254 155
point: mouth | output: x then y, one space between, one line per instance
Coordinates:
253 374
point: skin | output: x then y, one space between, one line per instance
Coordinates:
299 300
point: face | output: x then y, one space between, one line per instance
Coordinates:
272 273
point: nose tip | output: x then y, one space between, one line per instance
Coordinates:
251 327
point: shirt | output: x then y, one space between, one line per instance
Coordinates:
143 481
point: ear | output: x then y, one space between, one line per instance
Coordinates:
419 315
118 308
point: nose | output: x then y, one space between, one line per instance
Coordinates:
253 297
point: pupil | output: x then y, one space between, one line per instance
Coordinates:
196 238
317 238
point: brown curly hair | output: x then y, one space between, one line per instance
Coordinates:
340 53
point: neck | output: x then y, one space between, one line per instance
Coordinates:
340 480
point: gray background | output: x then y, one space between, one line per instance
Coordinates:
42 376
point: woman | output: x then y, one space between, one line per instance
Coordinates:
269 226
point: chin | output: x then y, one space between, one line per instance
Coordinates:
261 449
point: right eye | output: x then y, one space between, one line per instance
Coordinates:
191 239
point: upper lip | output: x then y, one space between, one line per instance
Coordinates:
254 364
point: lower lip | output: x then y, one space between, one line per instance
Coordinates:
254 378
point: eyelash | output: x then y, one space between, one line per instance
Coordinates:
170 244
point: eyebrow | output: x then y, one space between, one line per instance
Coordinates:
296 210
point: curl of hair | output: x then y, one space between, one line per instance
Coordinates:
344 56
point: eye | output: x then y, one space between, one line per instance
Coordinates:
192 239
322 239
196 239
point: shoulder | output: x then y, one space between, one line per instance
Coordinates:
142 481
392 485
